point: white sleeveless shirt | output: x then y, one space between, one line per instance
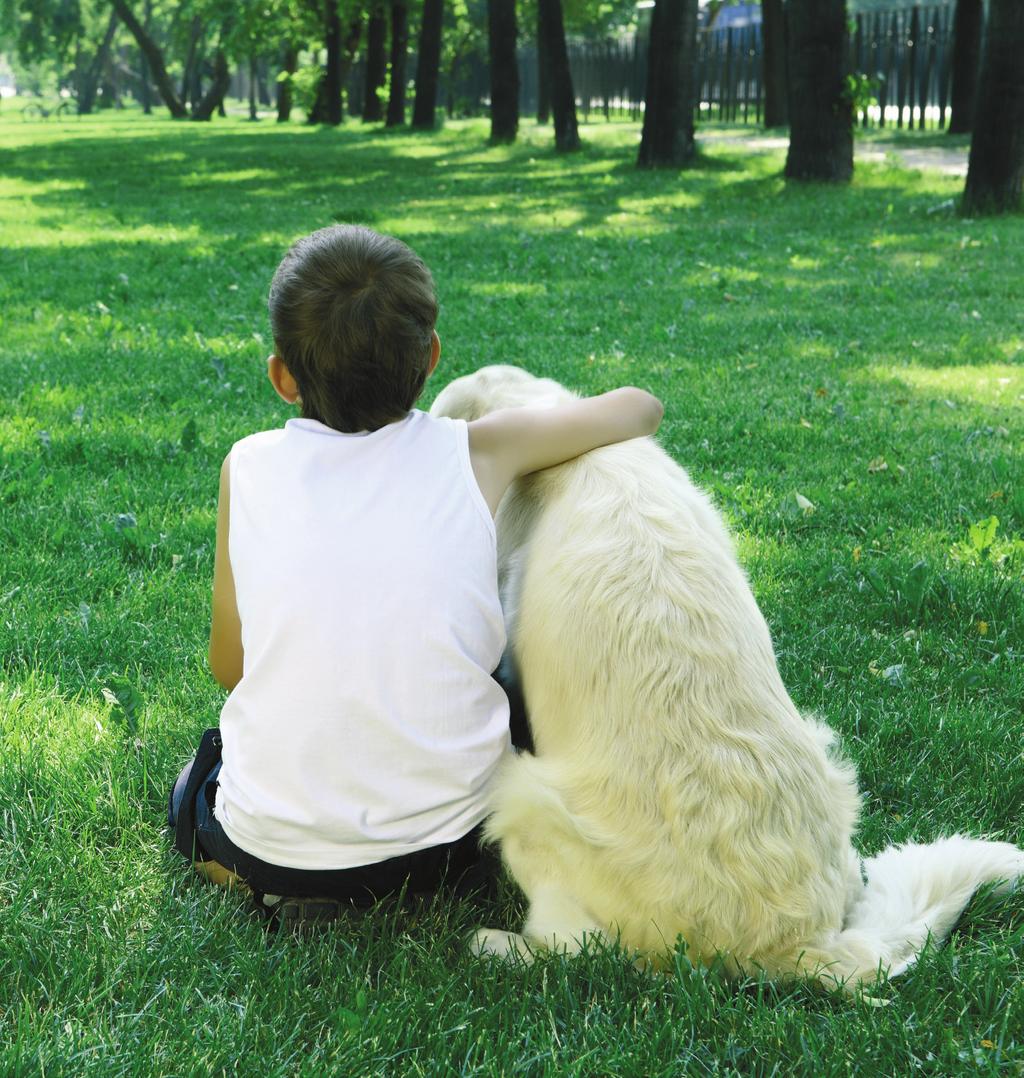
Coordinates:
366 724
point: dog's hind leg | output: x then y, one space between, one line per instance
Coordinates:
557 922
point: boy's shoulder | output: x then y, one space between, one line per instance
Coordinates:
259 438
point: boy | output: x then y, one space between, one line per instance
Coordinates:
356 619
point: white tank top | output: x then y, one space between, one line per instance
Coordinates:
366 724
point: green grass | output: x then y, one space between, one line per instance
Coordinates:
796 335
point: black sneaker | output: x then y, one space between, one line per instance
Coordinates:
298 916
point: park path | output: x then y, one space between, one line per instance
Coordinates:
950 160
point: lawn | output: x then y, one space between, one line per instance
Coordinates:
861 348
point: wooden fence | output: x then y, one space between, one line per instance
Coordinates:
905 52
908 53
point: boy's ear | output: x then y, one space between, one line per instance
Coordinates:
281 379
435 351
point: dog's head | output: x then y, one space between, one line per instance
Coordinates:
499 386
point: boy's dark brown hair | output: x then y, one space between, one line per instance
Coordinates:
352 313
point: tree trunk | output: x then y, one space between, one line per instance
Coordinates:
427 64
155 58
376 63
331 83
289 65
91 79
543 77
327 106
253 112
667 138
995 171
145 92
196 83
348 57
399 51
214 96
773 31
820 109
262 89
188 71
967 22
501 50
563 99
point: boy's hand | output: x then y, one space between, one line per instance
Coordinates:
516 441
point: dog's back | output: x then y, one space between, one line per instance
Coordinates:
657 709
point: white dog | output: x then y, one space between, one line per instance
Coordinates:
676 790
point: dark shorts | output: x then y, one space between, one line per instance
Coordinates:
459 865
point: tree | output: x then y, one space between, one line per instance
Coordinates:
428 64
289 65
43 30
820 93
76 37
563 99
244 38
967 21
332 71
773 34
321 21
995 170
232 27
399 50
327 108
355 32
88 80
667 138
154 58
543 77
145 90
190 73
376 63
213 99
501 42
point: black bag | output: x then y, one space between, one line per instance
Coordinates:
207 756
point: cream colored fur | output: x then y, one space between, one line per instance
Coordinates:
675 789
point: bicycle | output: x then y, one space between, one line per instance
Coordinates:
34 110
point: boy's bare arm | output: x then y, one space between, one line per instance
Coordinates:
516 441
225 627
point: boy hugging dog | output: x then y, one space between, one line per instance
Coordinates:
356 619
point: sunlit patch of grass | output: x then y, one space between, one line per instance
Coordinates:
990 383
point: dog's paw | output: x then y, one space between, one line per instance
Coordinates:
494 943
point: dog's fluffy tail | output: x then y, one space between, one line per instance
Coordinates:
913 893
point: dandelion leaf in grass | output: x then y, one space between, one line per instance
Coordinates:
983 534
126 701
915 588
